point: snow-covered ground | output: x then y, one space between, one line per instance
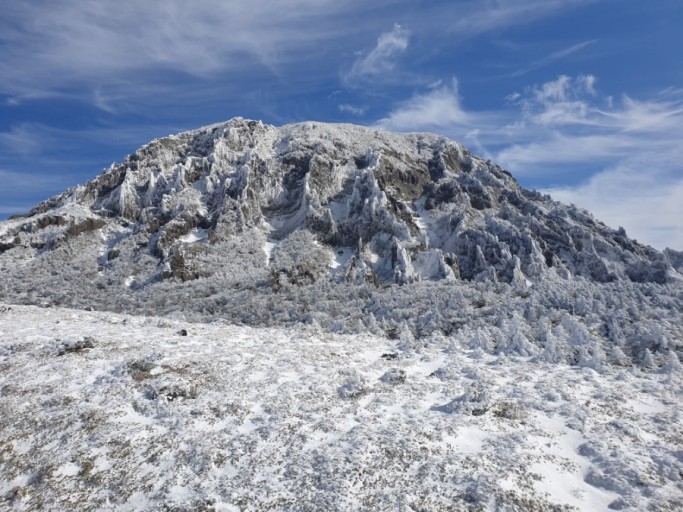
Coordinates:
101 411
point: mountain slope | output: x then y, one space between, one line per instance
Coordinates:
117 412
350 228
453 341
415 206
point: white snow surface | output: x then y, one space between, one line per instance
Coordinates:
104 411
196 235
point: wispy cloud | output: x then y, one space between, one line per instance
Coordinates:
633 144
540 157
558 102
438 108
37 140
106 53
36 182
479 17
352 109
379 63
26 139
38 161
645 195
567 120
553 57
659 115
642 188
54 48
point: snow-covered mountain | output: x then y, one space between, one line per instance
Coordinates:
345 226
397 207
451 340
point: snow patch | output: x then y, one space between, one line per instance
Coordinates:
341 256
196 235
268 248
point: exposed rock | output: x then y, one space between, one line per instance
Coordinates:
6 246
85 226
75 346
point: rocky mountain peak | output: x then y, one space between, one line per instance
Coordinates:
408 206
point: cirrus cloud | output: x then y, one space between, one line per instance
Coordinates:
379 64
53 48
645 195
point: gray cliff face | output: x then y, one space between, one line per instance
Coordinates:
365 204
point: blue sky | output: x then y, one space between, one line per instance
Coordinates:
582 98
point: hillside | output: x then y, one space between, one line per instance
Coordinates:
116 412
331 317
350 229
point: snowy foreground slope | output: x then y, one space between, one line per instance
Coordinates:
104 411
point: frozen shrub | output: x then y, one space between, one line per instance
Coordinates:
354 386
672 364
617 357
509 410
647 360
591 356
406 340
475 401
394 376
512 340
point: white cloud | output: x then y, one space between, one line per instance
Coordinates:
635 143
352 109
53 48
539 156
37 140
564 89
567 120
562 101
26 139
379 63
640 195
653 116
439 108
480 17
462 20
111 52
553 57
